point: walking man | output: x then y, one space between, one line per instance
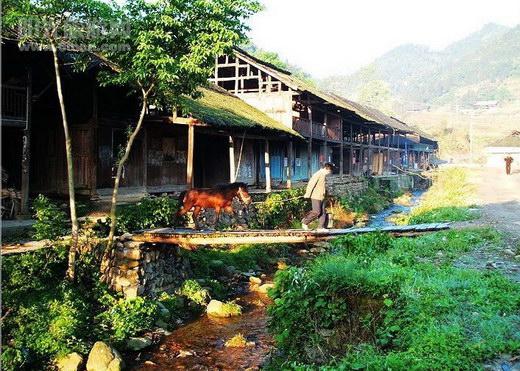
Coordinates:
508 161
316 190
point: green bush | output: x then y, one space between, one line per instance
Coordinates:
194 292
371 201
400 306
51 221
242 257
150 212
127 317
281 210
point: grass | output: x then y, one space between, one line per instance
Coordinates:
448 200
237 341
378 302
230 309
207 263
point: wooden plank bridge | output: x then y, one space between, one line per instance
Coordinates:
189 238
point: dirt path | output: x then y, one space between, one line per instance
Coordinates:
498 197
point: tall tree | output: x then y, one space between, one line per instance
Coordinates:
58 25
168 51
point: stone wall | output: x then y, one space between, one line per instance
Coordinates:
346 185
146 269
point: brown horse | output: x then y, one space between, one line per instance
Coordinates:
218 198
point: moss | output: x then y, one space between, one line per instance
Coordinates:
220 108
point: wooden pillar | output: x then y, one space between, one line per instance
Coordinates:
93 155
351 165
341 148
399 163
388 153
189 162
267 167
309 145
325 146
290 156
26 149
232 169
369 152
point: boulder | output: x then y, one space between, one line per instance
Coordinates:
102 357
70 362
138 343
255 280
215 308
266 286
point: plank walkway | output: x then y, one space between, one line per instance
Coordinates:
189 238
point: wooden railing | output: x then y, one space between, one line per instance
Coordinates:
302 127
14 102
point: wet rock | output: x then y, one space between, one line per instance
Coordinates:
509 252
266 286
184 353
138 343
102 357
163 311
491 265
215 308
255 280
70 362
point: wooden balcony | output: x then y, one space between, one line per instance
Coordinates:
14 106
319 130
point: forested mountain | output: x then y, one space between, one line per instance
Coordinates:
479 67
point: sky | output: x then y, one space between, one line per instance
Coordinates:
329 37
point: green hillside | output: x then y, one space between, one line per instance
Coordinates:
418 76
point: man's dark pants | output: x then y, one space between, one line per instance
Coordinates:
318 211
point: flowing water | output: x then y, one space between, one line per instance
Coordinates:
380 220
200 344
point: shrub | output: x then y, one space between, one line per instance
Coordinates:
230 308
127 317
194 292
402 307
242 257
150 212
371 201
51 221
281 210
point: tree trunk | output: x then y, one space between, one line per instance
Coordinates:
120 165
71 270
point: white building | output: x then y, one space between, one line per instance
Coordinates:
508 146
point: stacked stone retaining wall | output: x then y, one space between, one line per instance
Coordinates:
145 269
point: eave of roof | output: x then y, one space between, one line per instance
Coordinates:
220 108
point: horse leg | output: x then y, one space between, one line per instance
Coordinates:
196 213
217 215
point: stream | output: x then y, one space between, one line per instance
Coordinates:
379 220
200 344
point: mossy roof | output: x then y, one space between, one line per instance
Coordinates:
220 108
512 140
